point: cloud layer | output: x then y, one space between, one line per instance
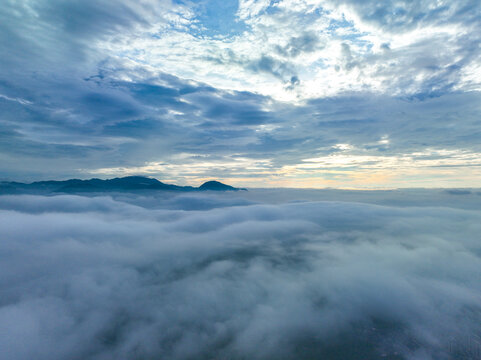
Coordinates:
138 278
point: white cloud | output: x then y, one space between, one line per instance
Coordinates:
420 60
98 278
19 100
250 8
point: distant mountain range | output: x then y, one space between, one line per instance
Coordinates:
123 184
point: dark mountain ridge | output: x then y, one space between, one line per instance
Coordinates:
128 183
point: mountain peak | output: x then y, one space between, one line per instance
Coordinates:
217 186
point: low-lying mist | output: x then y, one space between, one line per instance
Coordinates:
230 276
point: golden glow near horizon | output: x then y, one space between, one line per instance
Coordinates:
430 168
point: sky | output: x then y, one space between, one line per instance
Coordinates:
268 93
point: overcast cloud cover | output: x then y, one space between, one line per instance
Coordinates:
136 277
292 93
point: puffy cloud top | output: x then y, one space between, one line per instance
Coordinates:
131 277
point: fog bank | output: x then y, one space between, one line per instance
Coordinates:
240 276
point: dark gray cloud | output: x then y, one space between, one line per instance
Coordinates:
110 123
36 33
348 60
269 65
307 42
128 278
265 63
281 69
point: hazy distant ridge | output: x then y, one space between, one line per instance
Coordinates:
129 183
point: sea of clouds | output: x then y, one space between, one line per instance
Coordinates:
264 274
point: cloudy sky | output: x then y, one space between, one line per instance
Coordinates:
260 93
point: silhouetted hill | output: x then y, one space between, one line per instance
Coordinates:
128 183
217 186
